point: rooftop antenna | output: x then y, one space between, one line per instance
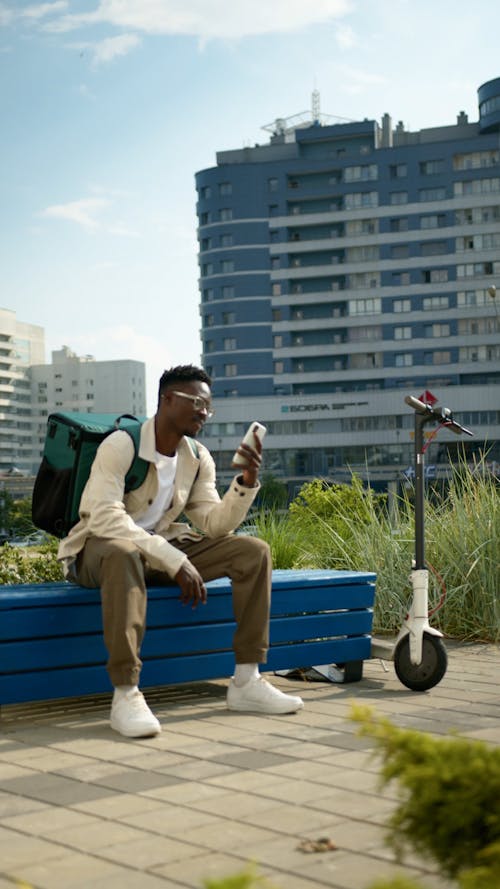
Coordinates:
315 106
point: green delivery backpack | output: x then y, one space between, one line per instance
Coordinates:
70 446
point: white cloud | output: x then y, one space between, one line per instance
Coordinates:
345 37
87 213
40 10
82 212
207 19
107 50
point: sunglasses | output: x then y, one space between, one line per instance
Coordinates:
199 403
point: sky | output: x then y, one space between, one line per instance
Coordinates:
109 107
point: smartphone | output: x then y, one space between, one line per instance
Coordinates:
255 428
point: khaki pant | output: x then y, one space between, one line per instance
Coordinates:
117 567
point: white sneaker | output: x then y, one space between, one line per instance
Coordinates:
258 696
131 716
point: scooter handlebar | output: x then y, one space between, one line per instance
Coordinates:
442 414
417 405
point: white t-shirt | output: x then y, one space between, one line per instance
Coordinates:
166 468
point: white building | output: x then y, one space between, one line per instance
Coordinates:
82 384
21 345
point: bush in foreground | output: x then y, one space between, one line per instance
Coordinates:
449 790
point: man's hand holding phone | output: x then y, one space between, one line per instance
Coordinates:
248 454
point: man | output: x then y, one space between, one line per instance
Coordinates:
124 541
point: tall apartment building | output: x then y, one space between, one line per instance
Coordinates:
82 384
21 345
342 266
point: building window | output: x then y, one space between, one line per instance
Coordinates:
430 168
434 276
277 315
225 214
401 305
276 289
361 173
432 194
225 189
437 330
398 197
279 367
477 186
402 333
228 317
400 251
433 220
400 279
210 346
230 370
227 266
431 303
360 199
229 344
442 358
475 159
208 294
398 171
434 248
205 218
278 341
227 292
209 320
272 184
399 224
206 192
226 240
207 268
365 306
403 359
275 262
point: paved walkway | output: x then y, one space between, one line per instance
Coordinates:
82 807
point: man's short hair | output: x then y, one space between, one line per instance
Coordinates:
183 373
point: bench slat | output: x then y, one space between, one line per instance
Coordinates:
53 684
70 651
52 646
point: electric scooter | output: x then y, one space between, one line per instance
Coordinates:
419 654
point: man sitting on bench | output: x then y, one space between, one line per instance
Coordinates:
125 541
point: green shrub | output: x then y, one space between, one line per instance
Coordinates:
348 528
247 879
30 564
449 790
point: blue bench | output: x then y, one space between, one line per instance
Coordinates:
51 634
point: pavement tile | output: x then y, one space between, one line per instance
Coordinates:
72 871
203 866
53 788
184 792
50 820
235 805
118 806
171 820
17 848
298 821
83 808
147 853
11 804
251 759
232 835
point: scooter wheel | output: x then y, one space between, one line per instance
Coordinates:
427 674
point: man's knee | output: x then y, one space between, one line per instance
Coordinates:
253 550
112 558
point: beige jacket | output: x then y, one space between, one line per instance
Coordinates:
106 511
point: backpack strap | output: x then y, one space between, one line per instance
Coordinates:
138 468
